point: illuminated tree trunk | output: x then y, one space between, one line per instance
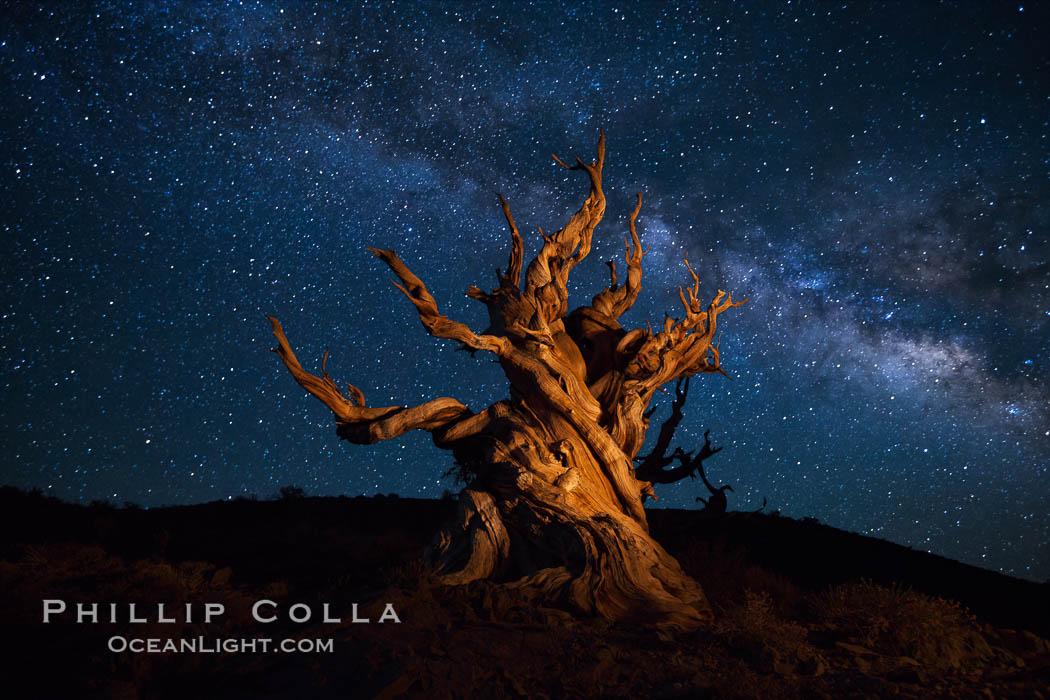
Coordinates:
553 502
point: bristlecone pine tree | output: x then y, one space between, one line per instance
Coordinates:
553 504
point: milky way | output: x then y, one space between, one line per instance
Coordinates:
874 178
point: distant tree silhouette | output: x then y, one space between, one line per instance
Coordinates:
716 503
553 501
656 467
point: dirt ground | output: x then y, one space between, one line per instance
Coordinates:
804 610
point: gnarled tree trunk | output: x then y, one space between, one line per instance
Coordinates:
553 501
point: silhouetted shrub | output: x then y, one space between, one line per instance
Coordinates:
292 493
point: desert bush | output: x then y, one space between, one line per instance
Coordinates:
896 620
411 575
763 636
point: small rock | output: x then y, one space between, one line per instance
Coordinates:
855 649
1034 643
908 674
813 666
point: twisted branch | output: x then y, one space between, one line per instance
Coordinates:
615 300
357 422
436 324
683 347
512 278
547 277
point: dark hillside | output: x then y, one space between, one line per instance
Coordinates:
804 610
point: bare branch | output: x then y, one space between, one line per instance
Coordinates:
683 347
436 324
517 250
593 169
356 422
547 276
476 293
615 300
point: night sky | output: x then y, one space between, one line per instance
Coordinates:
876 178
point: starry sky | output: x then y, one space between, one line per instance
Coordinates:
875 177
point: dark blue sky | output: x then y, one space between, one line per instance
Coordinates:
874 176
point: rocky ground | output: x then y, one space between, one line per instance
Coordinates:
804 610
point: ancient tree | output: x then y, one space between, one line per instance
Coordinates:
553 503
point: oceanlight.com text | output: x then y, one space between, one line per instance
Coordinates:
206 645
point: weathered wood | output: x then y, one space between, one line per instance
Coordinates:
553 502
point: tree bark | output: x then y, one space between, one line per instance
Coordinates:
553 502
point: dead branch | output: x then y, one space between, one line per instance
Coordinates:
615 300
436 324
356 422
